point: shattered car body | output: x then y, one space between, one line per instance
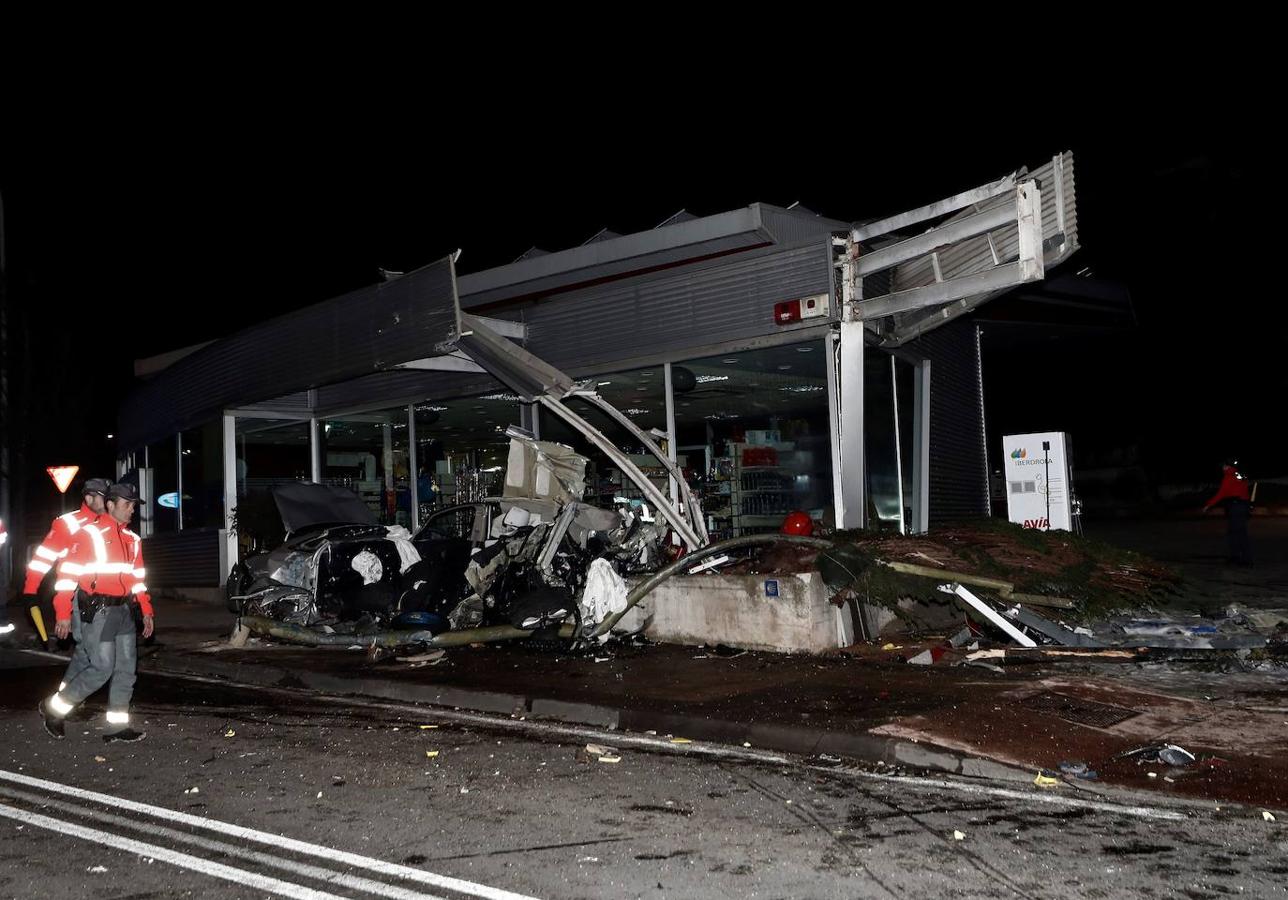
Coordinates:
532 559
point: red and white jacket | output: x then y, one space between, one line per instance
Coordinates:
54 547
106 558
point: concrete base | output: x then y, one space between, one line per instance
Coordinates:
785 613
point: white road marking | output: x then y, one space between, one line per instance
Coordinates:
273 840
174 857
318 873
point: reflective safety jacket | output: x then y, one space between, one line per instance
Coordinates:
105 557
1234 486
54 546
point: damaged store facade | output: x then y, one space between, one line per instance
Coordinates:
772 359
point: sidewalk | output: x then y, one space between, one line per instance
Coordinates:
870 706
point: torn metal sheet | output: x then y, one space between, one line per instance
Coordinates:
537 381
989 613
1052 630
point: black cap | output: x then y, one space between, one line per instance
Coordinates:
95 486
124 491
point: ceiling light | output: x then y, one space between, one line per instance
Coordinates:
784 367
603 383
732 359
804 349
705 379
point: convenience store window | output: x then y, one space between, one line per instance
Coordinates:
367 453
461 448
757 422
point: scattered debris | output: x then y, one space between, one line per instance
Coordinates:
97 870
727 652
959 836
1045 780
100 759
1267 815
430 658
431 753
680 740
423 727
230 733
928 657
1167 754
1079 770
604 753
193 790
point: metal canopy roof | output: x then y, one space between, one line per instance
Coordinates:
677 240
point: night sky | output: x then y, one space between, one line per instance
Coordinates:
189 229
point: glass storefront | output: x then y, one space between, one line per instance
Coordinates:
269 452
753 429
368 454
163 462
202 502
461 448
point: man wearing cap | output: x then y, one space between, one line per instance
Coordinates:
62 532
105 563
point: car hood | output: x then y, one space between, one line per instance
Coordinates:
304 505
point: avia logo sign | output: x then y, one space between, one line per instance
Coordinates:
1044 524
1019 453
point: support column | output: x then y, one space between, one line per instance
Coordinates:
670 432
850 495
413 468
178 477
921 448
315 452
228 537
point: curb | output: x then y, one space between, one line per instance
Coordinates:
799 741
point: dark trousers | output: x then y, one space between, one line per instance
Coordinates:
1236 531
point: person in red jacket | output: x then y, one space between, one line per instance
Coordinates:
61 534
1235 495
105 564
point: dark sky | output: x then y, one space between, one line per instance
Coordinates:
159 232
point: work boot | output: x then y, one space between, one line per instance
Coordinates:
53 723
125 734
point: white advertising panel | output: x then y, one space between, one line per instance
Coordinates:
1038 485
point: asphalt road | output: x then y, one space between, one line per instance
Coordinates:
241 793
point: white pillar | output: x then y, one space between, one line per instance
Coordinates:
228 536
315 452
921 448
413 468
670 431
849 493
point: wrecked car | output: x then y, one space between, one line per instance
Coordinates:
534 558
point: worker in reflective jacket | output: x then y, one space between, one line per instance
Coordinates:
1235 495
54 547
105 564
